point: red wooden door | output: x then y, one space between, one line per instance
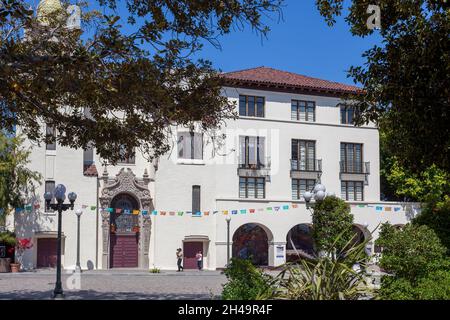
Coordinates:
46 253
124 250
190 250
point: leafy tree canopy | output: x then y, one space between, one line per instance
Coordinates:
17 181
405 78
112 87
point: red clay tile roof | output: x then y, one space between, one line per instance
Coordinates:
264 76
90 170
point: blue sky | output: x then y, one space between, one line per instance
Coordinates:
302 43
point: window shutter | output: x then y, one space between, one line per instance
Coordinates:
241 150
252 149
261 150
198 146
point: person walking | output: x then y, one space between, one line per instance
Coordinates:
180 260
199 257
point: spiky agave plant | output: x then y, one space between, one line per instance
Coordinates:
326 277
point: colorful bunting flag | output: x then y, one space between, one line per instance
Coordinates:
144 212
397 209
118 210
154 212
84 206
180 213
162 213
215 212
110 210
234 212
126 211
206 213
261 210
197 214
379 208
277 208
295 206
388 209
285 207
95 207
269 208
225 212
362 206
135 212
243 211
252 210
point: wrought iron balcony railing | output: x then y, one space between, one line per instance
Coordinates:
306 166
357 167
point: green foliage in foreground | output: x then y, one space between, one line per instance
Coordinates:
246 282
327 277
416 261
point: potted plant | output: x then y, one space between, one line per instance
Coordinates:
22 244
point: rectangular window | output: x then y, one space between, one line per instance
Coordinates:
347 114
300 186
126 157
251 106
190 145
252 188
50 187
252 152
351 158
50 135
196 199
303 110
303 155
352 190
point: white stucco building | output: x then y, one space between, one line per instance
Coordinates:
291 133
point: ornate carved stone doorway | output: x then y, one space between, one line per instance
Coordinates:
126 183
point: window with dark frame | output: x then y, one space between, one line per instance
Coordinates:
126 157
252 188
50 135
190 145
251 152
351 157
303 110
352 190
251 106
50 187
300 186
347 114
303 155
196 191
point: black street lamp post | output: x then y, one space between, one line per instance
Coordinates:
60 195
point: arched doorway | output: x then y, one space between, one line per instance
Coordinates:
359 234
124 232
251 241
299 242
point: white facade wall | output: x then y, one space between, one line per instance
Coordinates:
171 186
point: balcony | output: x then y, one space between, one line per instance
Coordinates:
306 169
259 169
354 171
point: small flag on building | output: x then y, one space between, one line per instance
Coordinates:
154 212
144 212
135 212
234 212
269 208
172 213
162 213
252 210
285 207
206 213
295 206
379 208
243 211
277 208
397 209
118 210
110 210
388 209
215 212
95 207
225 212
180 213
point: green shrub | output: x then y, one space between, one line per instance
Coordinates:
8 238
436 286
332 220
246 282
437 217
410 253
393 288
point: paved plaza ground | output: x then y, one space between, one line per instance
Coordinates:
117 284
